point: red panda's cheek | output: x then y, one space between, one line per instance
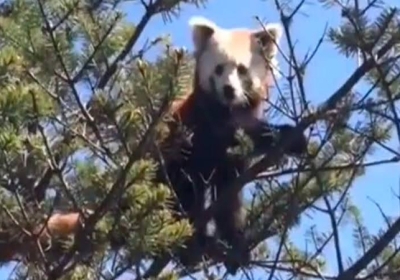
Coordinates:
256 82
261 91
264 92
268 80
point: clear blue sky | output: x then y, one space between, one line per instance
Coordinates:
326 73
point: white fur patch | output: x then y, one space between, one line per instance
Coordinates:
202 21
211 227
277 29
231 48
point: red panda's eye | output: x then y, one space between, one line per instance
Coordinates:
242 70
219 69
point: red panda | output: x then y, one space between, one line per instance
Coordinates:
231 80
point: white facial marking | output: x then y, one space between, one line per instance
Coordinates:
211 225
227 57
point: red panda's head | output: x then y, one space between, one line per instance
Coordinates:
231 63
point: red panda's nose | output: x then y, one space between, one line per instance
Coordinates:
229 92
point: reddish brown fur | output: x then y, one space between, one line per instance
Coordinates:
63 225
58 225
181 108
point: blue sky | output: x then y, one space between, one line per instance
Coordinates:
325 74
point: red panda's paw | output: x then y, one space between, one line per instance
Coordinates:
294 140
267 137
236 259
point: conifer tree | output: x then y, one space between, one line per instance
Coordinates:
82 111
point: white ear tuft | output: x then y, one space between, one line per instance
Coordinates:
270 37
202 30
197 21
276 31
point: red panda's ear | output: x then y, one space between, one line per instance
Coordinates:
269 37
202 30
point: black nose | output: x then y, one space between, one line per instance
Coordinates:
229 92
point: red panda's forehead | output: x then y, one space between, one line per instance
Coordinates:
236 41
238 45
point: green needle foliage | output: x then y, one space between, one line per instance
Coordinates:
82 125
